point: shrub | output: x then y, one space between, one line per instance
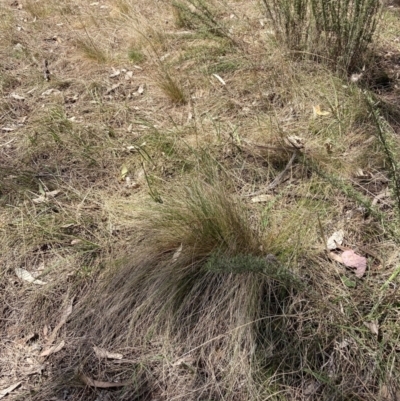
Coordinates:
335 32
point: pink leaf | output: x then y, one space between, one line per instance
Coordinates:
351 259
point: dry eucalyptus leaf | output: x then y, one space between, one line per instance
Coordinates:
16 97
177 253
102 353
50 91
356 77
8 390
113 88
128 75
351 259
54 349
335 239
336 257
372 326
362 175
219 79
262 198
318 112
46 196
124 172
295 141
115 73
26 276
187 360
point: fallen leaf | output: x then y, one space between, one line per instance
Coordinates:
177 253
318 112
113 88
25 275
63 320
41 189
8 129
115 73
128 75
362 175
124 172
348 283
99 384
335 239
295 141
45 196
187 360
165 56
16 97
384 194
351 259
67 225
18 47
131 184
356 77
372 326
8 390
76 241
50 91
141 89
219 79
102 353
54 349
262 198
336 257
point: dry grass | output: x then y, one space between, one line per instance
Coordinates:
198 172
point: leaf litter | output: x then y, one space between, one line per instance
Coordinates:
26 276
103 353
8 390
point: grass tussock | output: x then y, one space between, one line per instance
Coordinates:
181 252
91 50
199 15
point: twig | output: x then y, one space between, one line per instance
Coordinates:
278 179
